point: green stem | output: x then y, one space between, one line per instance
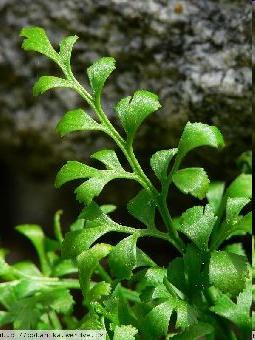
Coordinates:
57 226
54 320
103 273
129 154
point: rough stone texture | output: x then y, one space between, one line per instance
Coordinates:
196 55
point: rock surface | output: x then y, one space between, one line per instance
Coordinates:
196 55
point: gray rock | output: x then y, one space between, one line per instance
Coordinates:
196 55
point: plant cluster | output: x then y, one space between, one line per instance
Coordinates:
205 291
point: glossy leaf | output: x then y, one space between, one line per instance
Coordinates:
46 83
108 158
125 332
160 162
227 268
66 47
196 331
198 134
98 290
132 111
215 194
157 320
234 207
122 259
74 170
99 72
77 241
238 313
197 224
37 40
192 180
88 261
77 120
142 207
241 187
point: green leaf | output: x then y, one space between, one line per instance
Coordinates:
77 120
234 207
132 111
108 158
108 208
238 313
99 72
197 224
192 268
88 261
66 47
176 274
74 170
36 235
160 162
241 187
90 189
125 332
77 241
192 180
198 134
46 83
243 226
154 276
122 259
157 320
98 290
64 267
195 332
186 315
235 248
227 268
37 40
215 195
142 207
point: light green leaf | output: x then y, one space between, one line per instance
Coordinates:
215 195
125 332
160 162
90 189
108 158
235 248
64 267
74 170
154 276
108 208
46 83
197 224
36 235
157 320
77 120
37 40
238 313
98 290
243 226
99 72
198 134
77 241
234 207
186 315
66 47
132 111
142 207
192 180
122 259
241 187
87 261
196 331
227 268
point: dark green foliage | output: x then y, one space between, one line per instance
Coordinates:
203 291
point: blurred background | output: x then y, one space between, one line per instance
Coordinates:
196 55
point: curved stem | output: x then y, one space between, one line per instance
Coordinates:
127 150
